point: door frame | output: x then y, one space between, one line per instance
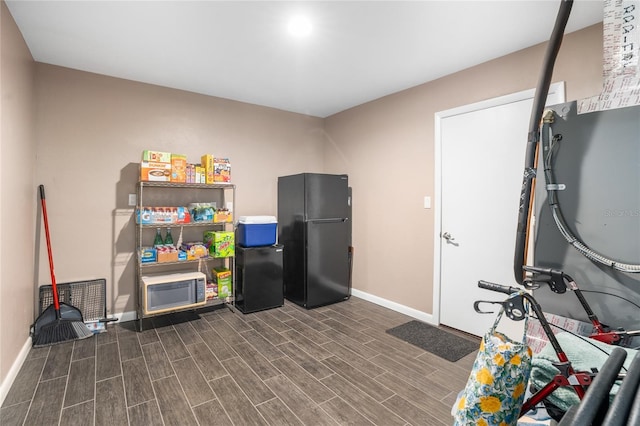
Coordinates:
555 88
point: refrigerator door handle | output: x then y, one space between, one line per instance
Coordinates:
330 220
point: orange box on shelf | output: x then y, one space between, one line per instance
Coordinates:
207 161
158 172
222 216
178 168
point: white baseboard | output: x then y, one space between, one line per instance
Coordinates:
14 370
414 313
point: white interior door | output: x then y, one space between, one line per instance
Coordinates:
482 151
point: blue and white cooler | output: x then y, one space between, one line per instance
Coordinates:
257 231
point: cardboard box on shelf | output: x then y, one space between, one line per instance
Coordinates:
167 254
178 168
207 162
156 156
154 171
222 170
211 291
223 216
222 278
148 255
223 244
194 250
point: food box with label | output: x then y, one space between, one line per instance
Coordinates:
222 170
211 291
256 231
199 174
207 163
155 172
178 168
194 250
148 255
167 254
222 277
222 216
222 244
156 156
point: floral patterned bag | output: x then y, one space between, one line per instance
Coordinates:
496 386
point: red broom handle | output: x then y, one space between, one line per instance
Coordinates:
56 302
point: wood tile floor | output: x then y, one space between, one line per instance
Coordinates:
286 366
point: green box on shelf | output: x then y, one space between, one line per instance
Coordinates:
220 243
222 277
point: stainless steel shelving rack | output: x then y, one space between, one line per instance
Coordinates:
169 194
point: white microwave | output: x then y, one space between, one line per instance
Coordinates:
169 292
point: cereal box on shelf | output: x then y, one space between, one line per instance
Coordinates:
222 170
178 168
194 250
207 162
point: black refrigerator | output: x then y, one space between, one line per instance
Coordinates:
314 226
258 278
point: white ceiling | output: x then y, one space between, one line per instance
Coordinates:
357 51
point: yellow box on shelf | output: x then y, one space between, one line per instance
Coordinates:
207 162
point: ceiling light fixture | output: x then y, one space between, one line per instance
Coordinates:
299 26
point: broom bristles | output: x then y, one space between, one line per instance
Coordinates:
60 331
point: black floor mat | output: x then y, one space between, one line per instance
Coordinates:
437 341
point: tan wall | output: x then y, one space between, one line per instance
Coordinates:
17 193
91 133
387 148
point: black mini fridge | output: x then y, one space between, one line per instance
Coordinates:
258 278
